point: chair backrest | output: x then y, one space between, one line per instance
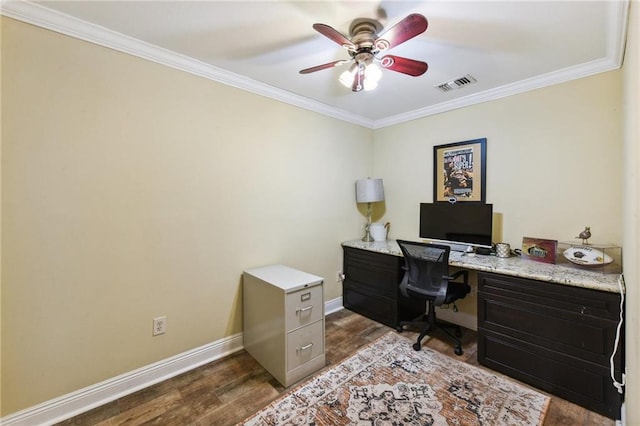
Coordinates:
427 267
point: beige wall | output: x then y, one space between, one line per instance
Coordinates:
631 218
132 190
1 21
553 165
553 160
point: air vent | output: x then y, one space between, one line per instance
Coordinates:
456 84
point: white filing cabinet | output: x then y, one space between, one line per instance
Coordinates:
283 313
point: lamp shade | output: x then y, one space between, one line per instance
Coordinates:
369 190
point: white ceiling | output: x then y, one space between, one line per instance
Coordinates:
508 46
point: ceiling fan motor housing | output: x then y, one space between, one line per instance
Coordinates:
364 32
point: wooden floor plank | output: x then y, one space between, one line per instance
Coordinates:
228 390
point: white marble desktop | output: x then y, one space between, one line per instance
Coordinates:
514 266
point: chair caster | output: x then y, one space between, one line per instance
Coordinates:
399 329
457 350
417 346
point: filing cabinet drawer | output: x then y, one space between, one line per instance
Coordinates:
305 344
303 307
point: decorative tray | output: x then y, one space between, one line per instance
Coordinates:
586 256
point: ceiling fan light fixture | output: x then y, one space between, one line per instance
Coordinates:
370 78
346 78
372 75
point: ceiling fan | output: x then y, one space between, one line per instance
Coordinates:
364 46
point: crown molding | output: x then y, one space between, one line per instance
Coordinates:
46 18
538 82
618 18
43 17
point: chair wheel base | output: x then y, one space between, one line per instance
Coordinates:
417 346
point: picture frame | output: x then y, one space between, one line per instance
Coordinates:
459 171
539 249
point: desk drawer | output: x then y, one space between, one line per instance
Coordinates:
555 337
571 378
591 338
378 272
371 287
378 308
372 259
582 301
575 321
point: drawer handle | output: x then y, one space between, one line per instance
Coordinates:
308 308
305 347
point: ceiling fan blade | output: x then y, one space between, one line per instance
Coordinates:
334 35
324 66
404 65
404 30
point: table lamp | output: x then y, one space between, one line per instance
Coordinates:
369 191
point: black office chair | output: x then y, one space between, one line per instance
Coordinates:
427 277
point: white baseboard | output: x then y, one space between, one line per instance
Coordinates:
333 305
623 416
83 400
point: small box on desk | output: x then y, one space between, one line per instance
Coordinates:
605 258
539 249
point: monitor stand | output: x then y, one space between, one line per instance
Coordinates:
461 247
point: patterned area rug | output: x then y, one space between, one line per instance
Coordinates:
388 383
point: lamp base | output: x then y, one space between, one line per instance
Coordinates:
368 238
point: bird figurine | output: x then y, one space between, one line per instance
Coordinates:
585 235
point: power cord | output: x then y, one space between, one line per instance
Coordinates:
617 384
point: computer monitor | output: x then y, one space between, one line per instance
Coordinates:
461 224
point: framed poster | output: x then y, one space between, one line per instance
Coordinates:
459 171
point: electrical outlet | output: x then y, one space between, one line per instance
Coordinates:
159 325
339 276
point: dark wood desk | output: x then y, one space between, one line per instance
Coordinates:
550 326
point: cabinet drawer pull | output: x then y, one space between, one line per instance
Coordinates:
308 308
305 347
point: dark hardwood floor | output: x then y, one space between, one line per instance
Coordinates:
228 390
